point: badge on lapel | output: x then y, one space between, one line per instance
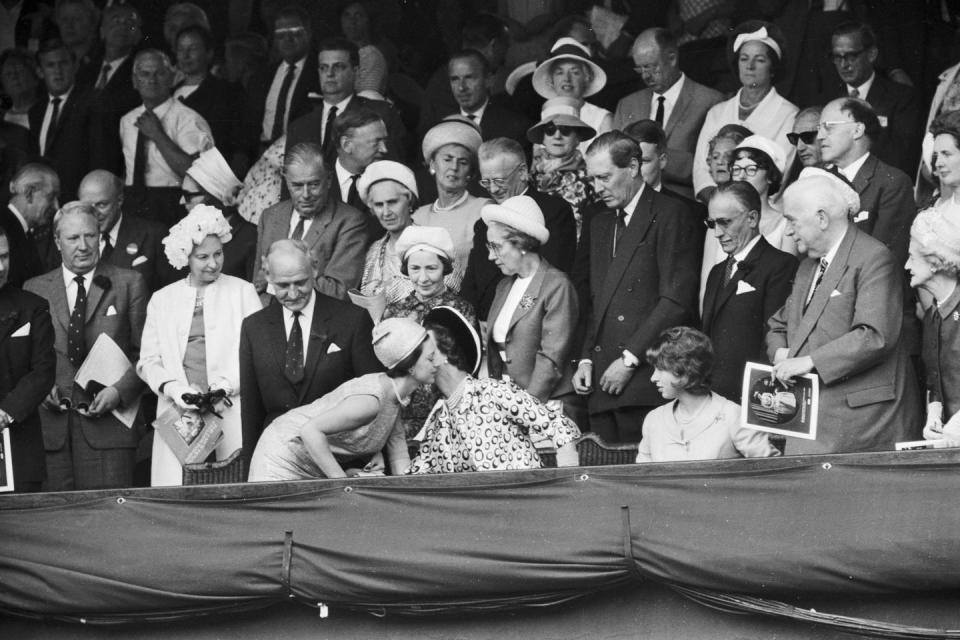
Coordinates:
132 249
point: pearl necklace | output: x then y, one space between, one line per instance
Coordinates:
437 208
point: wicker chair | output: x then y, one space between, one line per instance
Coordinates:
594 452
233 469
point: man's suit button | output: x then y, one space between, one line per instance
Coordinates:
620 318
597 348
629 289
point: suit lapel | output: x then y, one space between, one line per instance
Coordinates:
9 316
95 294
743 269
641 220
63 116
276 336
862 180
315 345
59 306
320 223
532 292
677 115
831 278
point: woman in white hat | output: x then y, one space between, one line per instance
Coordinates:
483 425
450 152
426 259
760 162
191 336
534 313
558 165
570 72
757 53
211 181
389 190
355 420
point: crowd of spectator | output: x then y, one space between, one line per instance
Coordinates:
428 237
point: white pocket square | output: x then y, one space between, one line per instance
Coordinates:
21 332
744 287
138 261
834 293
862 216
333 348
111 311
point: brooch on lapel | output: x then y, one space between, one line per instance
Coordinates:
103 282
526 302
132 249
956 316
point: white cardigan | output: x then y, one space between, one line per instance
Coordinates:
773 118
226 302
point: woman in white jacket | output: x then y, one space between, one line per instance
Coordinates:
192 333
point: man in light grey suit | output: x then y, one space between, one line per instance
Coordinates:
842 321
334 231
674 101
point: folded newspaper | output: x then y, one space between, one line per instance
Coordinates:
191 436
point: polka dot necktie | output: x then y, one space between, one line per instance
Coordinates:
728 271
293 362
76 347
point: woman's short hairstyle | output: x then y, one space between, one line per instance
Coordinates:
773 31
519 239
947 123
774 176
937 237
447 345
403 367
445 261
687 354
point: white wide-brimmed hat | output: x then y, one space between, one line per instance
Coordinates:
519 212
567 49
394 339
563 112
386 170
451 130
433 239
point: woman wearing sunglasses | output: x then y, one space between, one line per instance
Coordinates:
558 166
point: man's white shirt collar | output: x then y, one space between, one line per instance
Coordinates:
850 171
19 216
476 116
741 255
864 88
632 205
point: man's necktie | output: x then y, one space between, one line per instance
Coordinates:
854 93
659 116
107 247
353 195
816 283
140 161
293 362
281 111
104 77
53 123
728 270
298 230
328 146
76 346
619 228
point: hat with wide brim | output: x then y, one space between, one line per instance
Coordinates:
461 330
567 49
394 339
562 112
451 130
768 147
386 170
519 212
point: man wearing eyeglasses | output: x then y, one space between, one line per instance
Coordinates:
743 291
504 174
854 53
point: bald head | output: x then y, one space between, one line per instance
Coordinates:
818 211
655 58
290 269
104 192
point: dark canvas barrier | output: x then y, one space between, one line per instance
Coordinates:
872 523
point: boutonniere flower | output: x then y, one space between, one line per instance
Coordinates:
526 302
10 317
103 282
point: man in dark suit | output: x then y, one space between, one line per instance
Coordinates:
503 167
685 104
61 130
745 290
278 94
130 244
87 446
112 82
33 199
27 372
643 279
854 52
301 349
842 321
338 62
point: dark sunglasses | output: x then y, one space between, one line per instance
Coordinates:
551 129
808 137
